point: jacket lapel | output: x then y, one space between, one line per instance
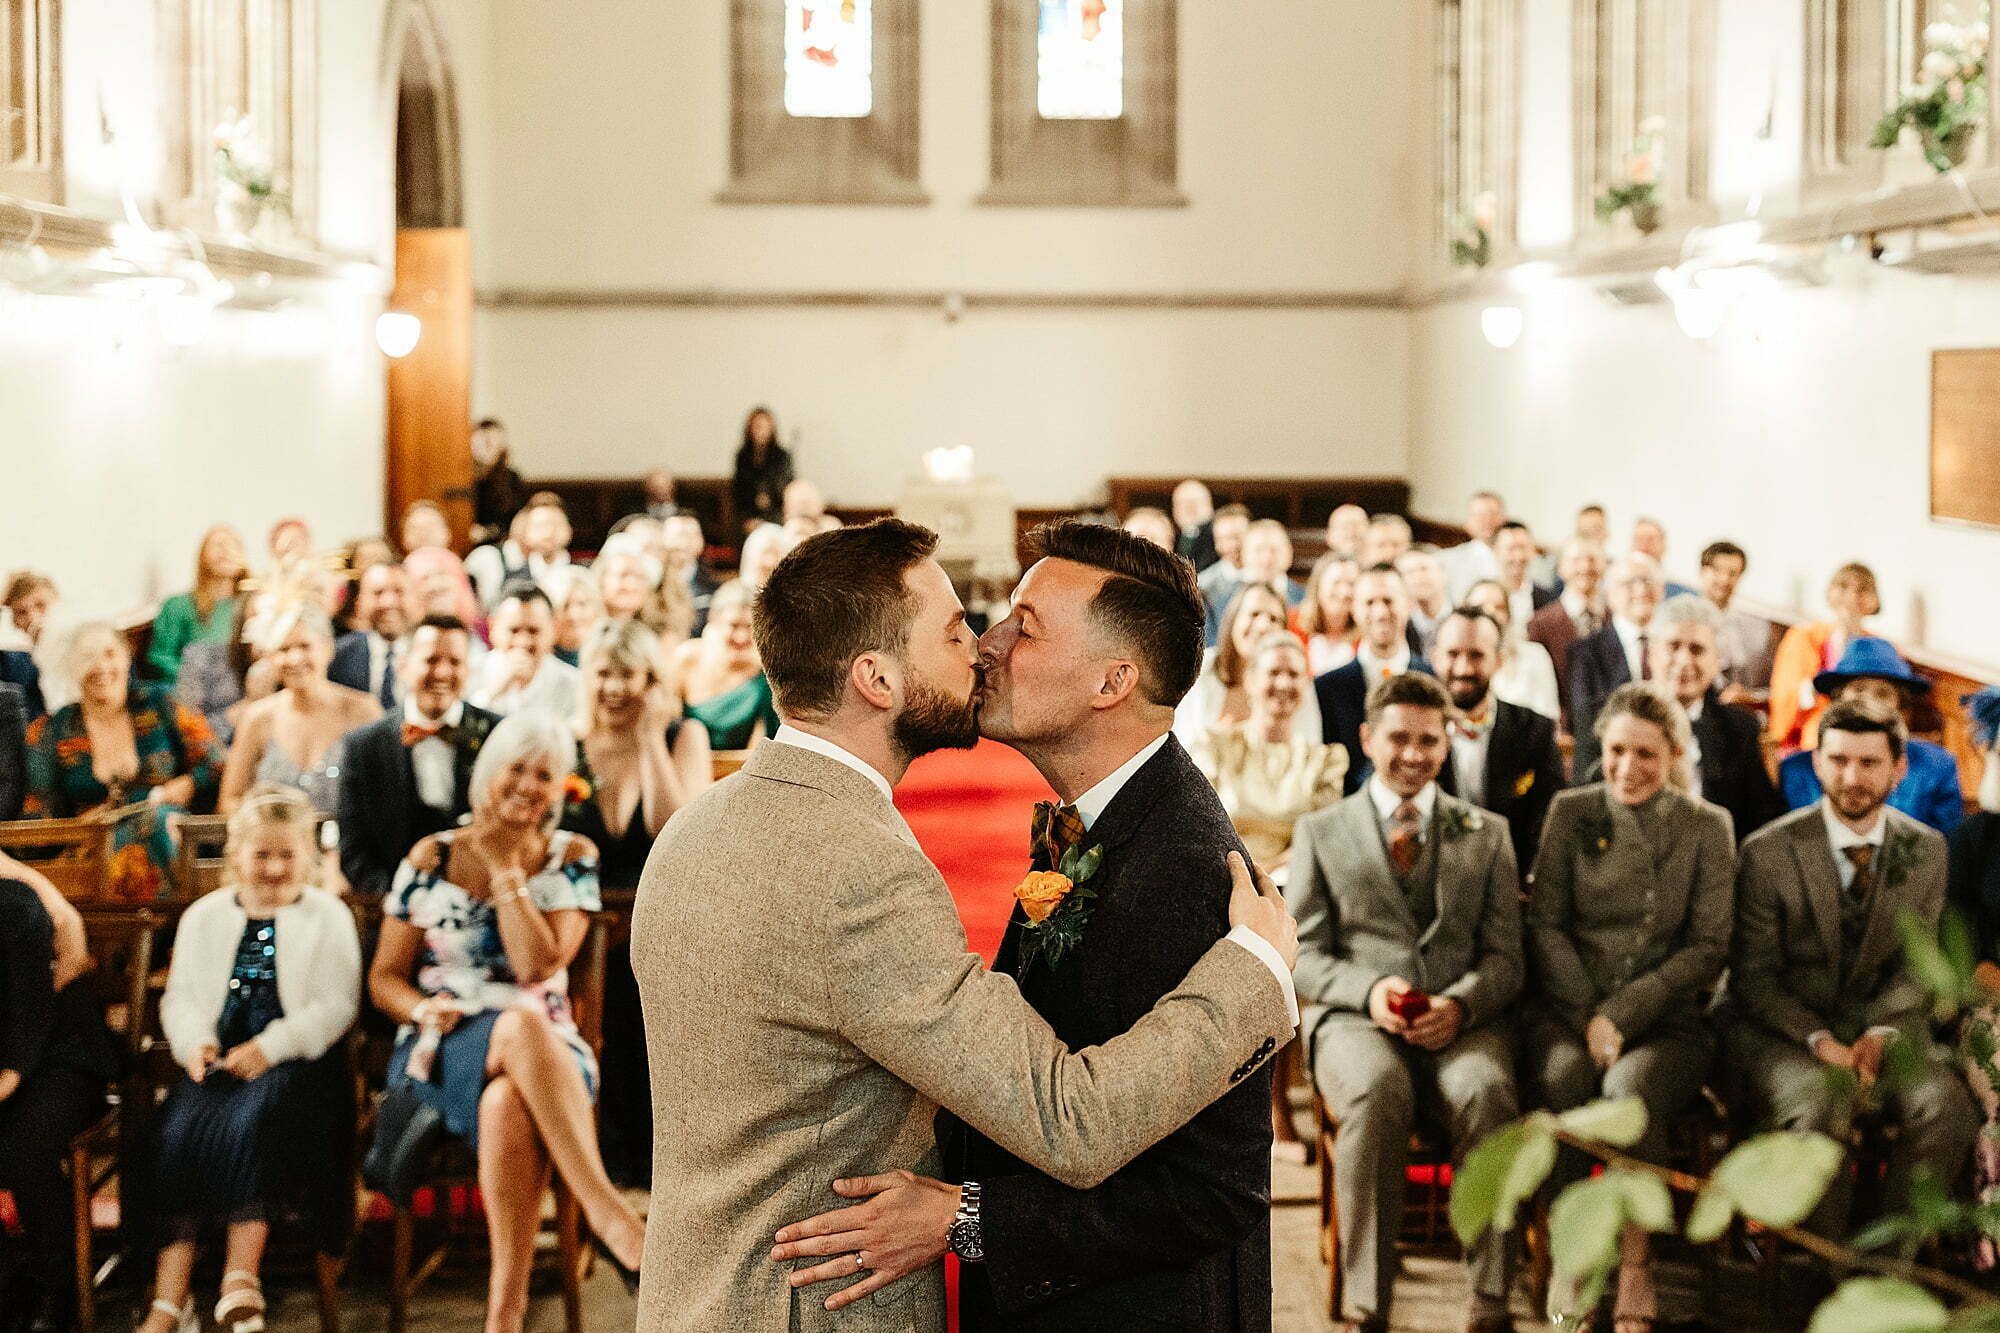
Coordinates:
1447 861
1499 745
1814 855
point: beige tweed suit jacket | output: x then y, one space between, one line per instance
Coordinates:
809 1002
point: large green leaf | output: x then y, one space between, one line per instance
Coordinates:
1648 1204
1620 1123
1778 1178
1501 1170
1930 966
1529 1169
1584 1227
1878 1305
1709 1217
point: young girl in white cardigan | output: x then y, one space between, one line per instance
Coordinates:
265 981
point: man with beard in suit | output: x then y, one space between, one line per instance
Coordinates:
1503 756
409 775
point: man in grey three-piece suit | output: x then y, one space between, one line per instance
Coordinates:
1820 979
1399 889
809 998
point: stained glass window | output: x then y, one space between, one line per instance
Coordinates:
1080 68
829 58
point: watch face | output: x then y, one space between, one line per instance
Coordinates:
964 1240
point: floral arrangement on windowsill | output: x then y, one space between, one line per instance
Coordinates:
249 184
1472 233
1637 193
1947 103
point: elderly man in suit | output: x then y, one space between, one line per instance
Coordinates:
1616 654
1382 610
810 1000
1820 981
409 775
1504 757
1408 903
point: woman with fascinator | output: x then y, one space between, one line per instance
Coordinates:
1973 890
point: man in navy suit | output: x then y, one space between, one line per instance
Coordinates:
1382 610
366 659
19 670
1615 654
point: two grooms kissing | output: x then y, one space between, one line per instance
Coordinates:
1102 1155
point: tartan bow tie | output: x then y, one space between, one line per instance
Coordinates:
412 733
1469 730
1059 827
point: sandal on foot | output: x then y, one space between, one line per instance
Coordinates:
241 1310
182 1315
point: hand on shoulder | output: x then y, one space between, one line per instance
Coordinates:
580 848
425 855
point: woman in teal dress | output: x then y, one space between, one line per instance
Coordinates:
720 678
207 612
120 744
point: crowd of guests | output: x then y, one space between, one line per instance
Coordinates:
1416 740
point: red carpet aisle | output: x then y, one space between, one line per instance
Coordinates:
970 810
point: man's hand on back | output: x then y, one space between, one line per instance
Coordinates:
1254 901
900 1230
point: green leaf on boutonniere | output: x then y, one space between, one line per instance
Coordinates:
1458 820
1079 865
1062 930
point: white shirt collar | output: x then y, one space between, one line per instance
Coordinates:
1094 802
1372 666
805 740
1386 800
1693 710
1843 837
414 714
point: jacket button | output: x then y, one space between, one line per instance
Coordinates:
1028 1292
1267 1047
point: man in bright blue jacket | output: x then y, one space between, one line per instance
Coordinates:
1872 669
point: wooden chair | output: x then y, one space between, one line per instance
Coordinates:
198 861
75 854
1426 1224
457 1168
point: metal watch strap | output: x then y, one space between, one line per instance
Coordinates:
966 1237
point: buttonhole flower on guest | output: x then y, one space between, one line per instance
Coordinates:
575 790
1595 834
1524 783
1457 821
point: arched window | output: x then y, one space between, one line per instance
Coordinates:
1644 79
1478 45
30 100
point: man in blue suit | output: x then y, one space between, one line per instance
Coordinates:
1871 669
1382 610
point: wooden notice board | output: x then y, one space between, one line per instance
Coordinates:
1965 435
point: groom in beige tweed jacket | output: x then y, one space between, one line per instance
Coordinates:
809 999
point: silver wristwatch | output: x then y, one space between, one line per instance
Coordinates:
965 1237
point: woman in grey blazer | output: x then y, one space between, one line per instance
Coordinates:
1629 921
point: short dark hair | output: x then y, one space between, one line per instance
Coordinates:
1412 689
1513 525
1241 511
524 592
1860 718
1596 509
1384 567
1151 601
1476 616
443 622
488 423
835 596
1714 551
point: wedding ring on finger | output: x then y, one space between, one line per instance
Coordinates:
859 1265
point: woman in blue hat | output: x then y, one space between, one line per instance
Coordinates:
1872 669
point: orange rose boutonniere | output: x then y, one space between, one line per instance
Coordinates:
576 790
1057 904
1041 893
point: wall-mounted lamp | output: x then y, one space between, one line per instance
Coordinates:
1502 325
396 333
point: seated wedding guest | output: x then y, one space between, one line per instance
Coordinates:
1616 654
1424 581
1194 524
1504 757
356 559
478 934
1973 891
1267 560
682 545
13 751
1649 538
1818 978
1327 616
658 487
632 585
1577 613
719 678
120 743
1745 640
1514 552
408 775
265 981
27 598
1726 757
1806 650
638 762
365 658
763 470
424 524
763 548
1387 540
1873 671
289 543
1628 929
1408 904
439 587
1218 581
207 611
1347 529
1470 561
18 669
1526 676
1152 524
219 677
497 490
293 738
1592 525
1268 771
802 499
1220 693
537 543
521 670
577 612
55 1060
1381 607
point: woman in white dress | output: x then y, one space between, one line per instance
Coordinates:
1255 612
1527 674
